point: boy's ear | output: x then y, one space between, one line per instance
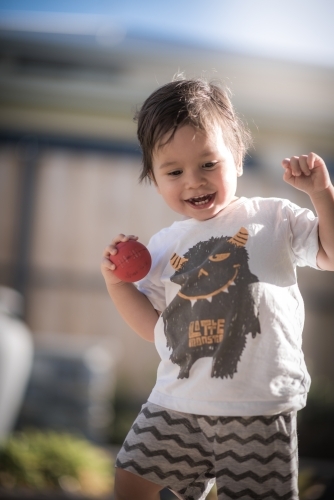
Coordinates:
239 165
240 170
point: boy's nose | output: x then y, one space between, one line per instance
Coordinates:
195 179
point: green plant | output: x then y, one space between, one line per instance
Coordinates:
52 460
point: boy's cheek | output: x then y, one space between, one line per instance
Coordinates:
155 185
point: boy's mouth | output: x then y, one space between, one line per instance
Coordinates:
201 201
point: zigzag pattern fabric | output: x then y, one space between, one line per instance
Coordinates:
250 458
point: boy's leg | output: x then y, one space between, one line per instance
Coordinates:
165 449
257 457
129 486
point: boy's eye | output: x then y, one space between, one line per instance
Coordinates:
175 173
210 164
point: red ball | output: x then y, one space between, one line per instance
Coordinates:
133 261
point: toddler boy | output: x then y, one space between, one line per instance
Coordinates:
222 304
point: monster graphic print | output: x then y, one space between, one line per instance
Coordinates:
214 310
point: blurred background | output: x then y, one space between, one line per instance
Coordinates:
72 75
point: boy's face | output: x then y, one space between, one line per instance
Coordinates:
196 173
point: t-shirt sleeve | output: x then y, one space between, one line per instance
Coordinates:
304 235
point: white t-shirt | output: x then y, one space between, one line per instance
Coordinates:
230 332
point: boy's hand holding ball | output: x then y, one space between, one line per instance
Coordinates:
132 260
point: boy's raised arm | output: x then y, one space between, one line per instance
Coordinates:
309 174
134 307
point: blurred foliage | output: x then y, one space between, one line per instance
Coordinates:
312 486
315 421
55 461
125 410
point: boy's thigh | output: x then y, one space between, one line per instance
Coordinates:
169 449
257 457
129 485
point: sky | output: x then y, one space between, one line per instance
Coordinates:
299 30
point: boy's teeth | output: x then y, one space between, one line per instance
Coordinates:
200 200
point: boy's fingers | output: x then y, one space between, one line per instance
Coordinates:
286 163
314 160
299 165
304 165
124 237
287 174
287 169
119 237
109 250
106 262
295 167
112 249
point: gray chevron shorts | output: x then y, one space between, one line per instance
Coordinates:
248 457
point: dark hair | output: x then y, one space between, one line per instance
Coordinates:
195 102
